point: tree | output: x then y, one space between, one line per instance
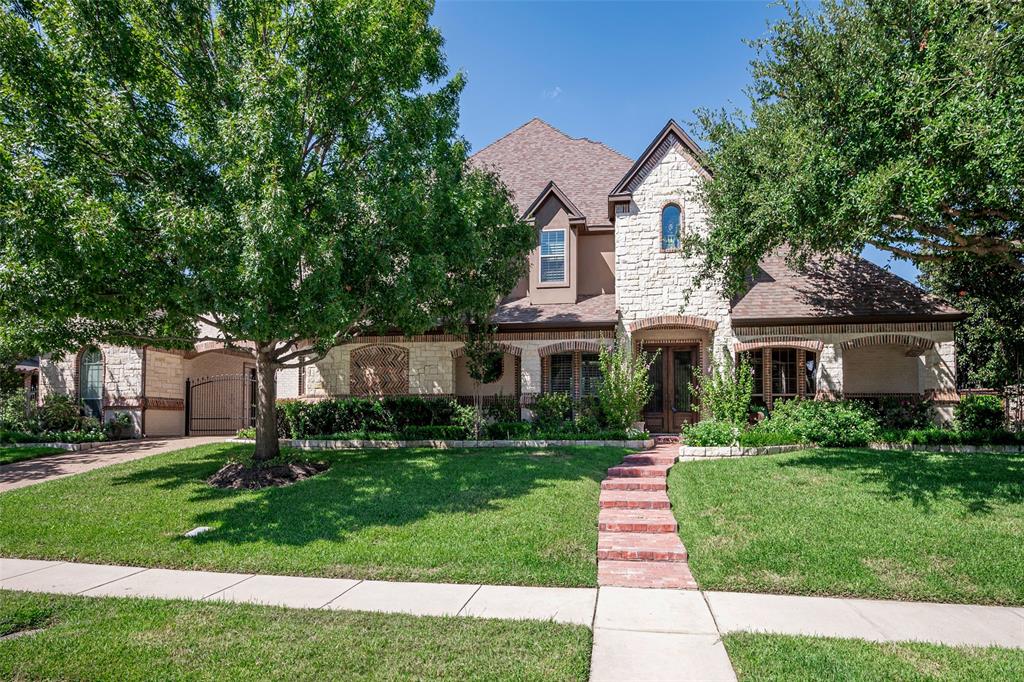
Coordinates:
483 362
895 124
990 342
278 176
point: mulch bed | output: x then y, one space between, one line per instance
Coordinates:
237 476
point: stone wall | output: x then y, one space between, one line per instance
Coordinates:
650 282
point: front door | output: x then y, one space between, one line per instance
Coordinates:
672 404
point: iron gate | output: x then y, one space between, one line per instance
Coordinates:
220 404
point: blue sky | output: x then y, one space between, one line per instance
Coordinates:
611 71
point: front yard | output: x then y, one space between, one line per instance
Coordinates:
782 657
135 639
11 455
525 517
852 522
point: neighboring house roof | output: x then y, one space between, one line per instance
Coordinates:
592 311
536 154
846 289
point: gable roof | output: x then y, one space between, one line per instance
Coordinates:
844 289
575 215
671 135
536 154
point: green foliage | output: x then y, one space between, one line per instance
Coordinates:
939 436
712 433
838 423
285 173
725 391
510 430
503 409
979 413
902 413
16 411
552 410
91 436
625 385
369 415
59 413
893 124
10 381
990 342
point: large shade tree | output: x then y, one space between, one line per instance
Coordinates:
278 176
897 124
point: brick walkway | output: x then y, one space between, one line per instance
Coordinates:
637 543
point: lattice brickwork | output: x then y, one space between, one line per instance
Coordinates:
379 370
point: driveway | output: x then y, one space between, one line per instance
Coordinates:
32 471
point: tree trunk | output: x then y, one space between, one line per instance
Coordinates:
267 445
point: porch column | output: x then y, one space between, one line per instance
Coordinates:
830 372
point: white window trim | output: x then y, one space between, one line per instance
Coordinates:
565 260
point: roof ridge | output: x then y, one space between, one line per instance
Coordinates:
558 130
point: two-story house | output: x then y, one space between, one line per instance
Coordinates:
607 262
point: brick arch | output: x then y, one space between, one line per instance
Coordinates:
916 345
569 346
670 321
503 347
201 347
813 345
379 369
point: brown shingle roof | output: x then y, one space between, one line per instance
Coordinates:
591 311
848 289
534 154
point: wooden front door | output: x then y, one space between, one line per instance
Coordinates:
673 403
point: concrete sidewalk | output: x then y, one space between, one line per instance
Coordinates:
32 471
639 634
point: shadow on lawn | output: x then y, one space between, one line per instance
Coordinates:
371 488
978 480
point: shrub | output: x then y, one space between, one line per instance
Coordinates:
503 409
16 411
978 413
902 413
712 433
839 423
516 430
59 413
552 410
725 391
625 385
434 432
757 437
344 415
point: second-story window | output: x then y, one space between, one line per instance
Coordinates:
552 256
671 218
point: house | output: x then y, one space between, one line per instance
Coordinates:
607 261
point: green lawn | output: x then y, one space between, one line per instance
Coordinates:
784 658
526 517
135 639
10 455
900 525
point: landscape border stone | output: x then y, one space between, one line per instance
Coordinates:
70 447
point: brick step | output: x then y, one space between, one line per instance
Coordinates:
636 521
658 574
658 484
633 499
639 471
652 457
640 547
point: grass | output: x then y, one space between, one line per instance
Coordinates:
784 657
135 639
11 455
516 516
850 522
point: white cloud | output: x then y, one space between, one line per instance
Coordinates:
553 93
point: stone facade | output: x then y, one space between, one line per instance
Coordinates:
651 282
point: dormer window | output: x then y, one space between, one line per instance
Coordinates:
552 256
671 219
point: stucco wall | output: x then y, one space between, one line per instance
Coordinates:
596 264
506 385
880 369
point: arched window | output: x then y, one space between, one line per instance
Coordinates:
671 218
90 378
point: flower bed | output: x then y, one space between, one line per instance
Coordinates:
392 443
